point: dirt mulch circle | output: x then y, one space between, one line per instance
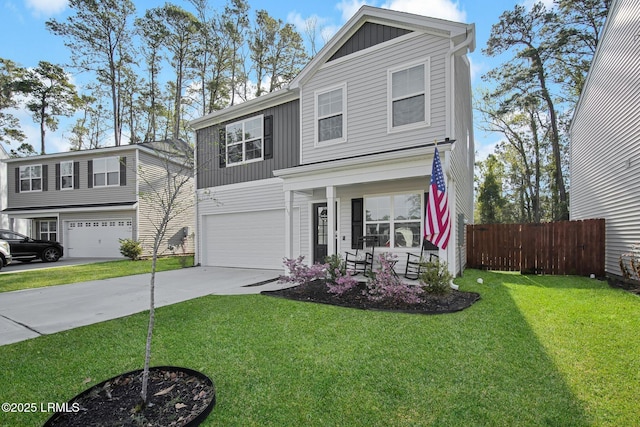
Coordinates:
318 292
178 397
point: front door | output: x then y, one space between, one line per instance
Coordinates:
320 232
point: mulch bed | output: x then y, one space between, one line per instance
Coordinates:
318 292
178 397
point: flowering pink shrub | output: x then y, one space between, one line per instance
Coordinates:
384 285
302 273
341 282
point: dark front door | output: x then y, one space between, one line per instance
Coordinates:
320 232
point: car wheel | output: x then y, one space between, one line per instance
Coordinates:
2 261
50 255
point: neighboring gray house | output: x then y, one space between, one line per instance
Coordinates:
7 223
605 135
344 150
88 200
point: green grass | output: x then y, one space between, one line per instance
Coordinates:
534 351
82 273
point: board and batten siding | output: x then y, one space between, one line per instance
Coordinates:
365 76
286 143
152 178
78 196
605 136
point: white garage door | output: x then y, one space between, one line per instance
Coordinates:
247 239
96 238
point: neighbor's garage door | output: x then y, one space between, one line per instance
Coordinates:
247 239
96 238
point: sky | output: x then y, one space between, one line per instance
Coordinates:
25 40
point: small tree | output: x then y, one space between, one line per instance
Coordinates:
168 188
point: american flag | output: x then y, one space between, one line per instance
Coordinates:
437 226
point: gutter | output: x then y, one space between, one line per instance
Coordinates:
468 44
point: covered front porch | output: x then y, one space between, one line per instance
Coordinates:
380 195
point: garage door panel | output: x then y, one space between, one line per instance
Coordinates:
96 238
246 239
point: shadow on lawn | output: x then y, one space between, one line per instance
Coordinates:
279 362
544 281
522 366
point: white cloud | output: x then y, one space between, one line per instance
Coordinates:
485 147
302 24
350 7
443 9
476 69
549 4
46 7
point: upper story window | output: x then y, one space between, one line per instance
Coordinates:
66 175
330 115
408 91
106 172
244 141
30 178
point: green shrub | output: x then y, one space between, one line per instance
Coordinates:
435 277
130 248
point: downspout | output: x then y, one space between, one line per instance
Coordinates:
196 204
468 44
136 170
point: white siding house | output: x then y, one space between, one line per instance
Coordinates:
605 135
353 158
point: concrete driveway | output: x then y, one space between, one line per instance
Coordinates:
62 262
31 313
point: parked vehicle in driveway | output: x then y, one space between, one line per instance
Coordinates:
25 249
5 253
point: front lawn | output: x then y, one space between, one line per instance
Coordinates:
535 350
82 273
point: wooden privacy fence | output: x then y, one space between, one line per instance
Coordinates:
564 247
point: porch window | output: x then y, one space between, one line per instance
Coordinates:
408 96
330 112
106 172
244 141
30 178
66 175
49 230
396 219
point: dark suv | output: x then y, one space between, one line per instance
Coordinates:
25 249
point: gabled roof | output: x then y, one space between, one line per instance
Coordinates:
391 18
148 147
458 32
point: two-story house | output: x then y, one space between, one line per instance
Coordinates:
5 222
604 175
345 150
88 200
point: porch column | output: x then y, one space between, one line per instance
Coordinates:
331 220
288 226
